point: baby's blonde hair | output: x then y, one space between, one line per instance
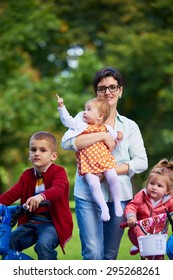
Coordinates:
102 106
165 168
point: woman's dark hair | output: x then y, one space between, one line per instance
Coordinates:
107 72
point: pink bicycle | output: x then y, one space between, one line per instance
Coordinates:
153 246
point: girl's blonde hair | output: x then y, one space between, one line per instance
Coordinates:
165 168
102 106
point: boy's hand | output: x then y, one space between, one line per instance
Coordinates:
60 101
33 202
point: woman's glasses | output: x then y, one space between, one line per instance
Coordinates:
111 88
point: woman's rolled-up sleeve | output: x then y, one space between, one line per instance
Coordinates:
69 144
138 158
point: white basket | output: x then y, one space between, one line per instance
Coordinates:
152 245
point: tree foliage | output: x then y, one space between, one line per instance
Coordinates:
135 36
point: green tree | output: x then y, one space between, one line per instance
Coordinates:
136 36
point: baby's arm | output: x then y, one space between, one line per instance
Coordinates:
117 135
111 131
60 101
66 119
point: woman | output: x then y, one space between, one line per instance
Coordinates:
100 240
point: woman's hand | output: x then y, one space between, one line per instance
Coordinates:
122 169
109 142
100 175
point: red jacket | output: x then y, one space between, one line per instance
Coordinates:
56 191
142 208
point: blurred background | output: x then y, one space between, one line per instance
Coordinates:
56 46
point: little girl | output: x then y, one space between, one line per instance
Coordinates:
95 158
151 200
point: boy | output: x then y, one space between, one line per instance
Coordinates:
46 227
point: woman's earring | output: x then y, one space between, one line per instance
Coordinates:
119 97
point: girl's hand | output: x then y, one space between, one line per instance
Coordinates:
60 101
131 221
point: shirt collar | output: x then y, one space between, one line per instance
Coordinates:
164 199
119 117
35 171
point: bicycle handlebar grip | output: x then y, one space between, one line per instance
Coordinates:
123 225
44 203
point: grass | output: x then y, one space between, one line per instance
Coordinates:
73 248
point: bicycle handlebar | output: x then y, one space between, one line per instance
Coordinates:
124 225
153 221
18 211
43 203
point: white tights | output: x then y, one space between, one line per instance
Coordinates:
94 184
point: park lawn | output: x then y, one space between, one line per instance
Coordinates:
73 248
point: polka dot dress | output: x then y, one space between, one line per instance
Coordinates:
95 158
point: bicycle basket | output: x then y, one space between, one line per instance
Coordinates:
152 245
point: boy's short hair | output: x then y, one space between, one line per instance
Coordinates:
44 135
102 106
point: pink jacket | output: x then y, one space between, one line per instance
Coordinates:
142 208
